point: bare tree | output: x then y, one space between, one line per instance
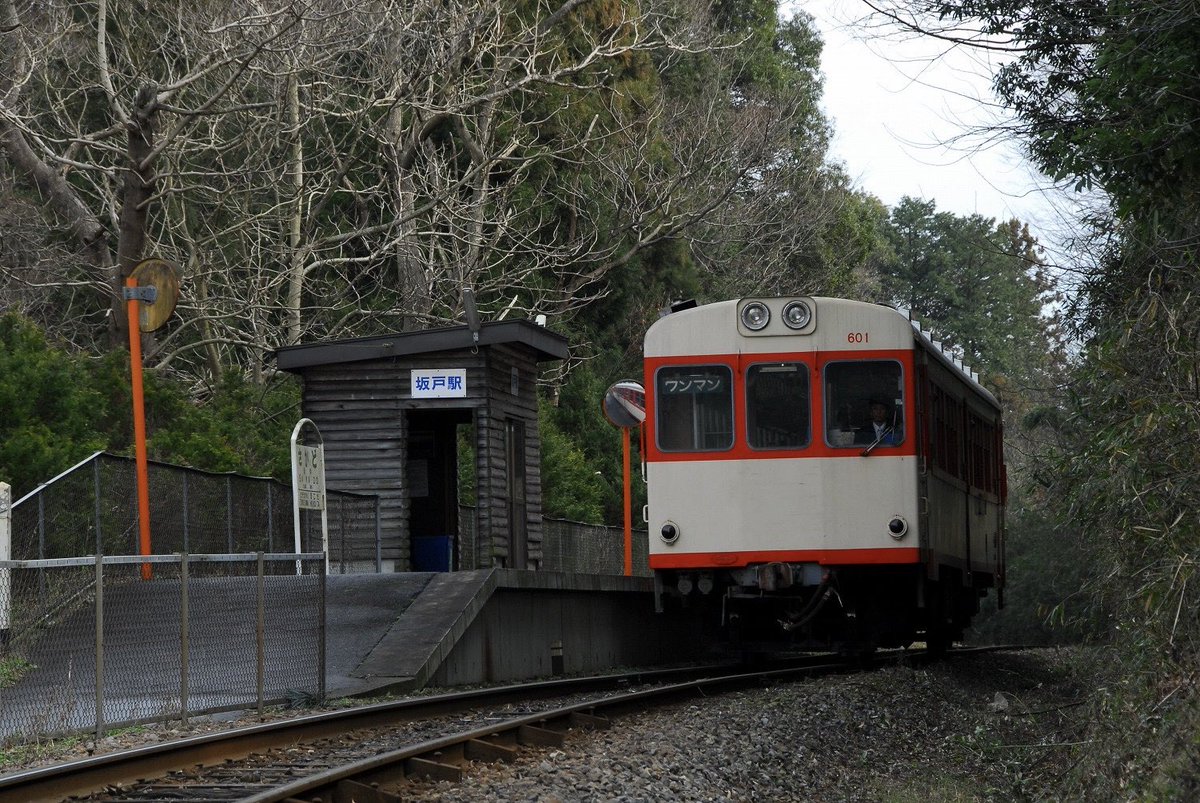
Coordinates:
342 167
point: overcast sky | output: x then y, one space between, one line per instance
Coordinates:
894 104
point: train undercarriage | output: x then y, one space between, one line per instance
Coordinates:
807 606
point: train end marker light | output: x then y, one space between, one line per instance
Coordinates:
624 406
308 484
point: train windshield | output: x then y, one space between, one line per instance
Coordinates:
864 403
694 408
777 404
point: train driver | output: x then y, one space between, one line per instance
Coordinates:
883 426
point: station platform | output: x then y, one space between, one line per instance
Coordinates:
399 632
384 633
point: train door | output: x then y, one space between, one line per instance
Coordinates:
924 415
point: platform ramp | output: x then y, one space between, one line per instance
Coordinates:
502 625
360 611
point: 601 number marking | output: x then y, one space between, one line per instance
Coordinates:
858 337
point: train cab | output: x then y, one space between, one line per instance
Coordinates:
805 480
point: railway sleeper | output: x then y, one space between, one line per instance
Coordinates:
359 793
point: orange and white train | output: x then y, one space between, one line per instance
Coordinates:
820 472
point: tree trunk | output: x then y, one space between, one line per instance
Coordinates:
295 287
135 200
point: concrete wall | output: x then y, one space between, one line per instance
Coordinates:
514 636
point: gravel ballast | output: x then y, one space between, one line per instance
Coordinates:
996 726
980 728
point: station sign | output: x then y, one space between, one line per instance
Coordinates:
439 383
310 476
308 483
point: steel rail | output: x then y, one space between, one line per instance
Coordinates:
86 776
439 759
380 778
82 776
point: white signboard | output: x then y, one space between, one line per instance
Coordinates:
308 484
310 476
439 383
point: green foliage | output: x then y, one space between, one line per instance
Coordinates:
59 408
1049 599
13 667
578 416
50 412
570 487
980 284
1105 98
237 426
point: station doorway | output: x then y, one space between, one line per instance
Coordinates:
432 473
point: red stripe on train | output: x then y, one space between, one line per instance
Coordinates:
827 557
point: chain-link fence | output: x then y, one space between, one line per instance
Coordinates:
569 546
92 509
94 643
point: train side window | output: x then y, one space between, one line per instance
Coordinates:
851 390
777 405
983 454
947 413
694 408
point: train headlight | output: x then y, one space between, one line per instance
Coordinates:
669 532
755 316
897 527
796 315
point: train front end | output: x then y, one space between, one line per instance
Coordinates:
781 451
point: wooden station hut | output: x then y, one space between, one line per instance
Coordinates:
390 409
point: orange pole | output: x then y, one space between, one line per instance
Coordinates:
628 506
139 426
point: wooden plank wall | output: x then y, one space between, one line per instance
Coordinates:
356 407
359 408
490 434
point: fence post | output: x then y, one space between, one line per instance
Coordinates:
184 646
229 513
322 579
96 495
99 647
260 632
186 547
270 520
5 554
41 548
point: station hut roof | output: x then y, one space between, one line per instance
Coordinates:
546 345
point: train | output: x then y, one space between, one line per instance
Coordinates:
820 473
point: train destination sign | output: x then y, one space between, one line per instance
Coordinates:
439 383
694 383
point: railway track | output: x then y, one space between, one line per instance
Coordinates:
369 753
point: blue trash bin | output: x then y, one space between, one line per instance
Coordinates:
433 553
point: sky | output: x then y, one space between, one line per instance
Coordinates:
897 106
